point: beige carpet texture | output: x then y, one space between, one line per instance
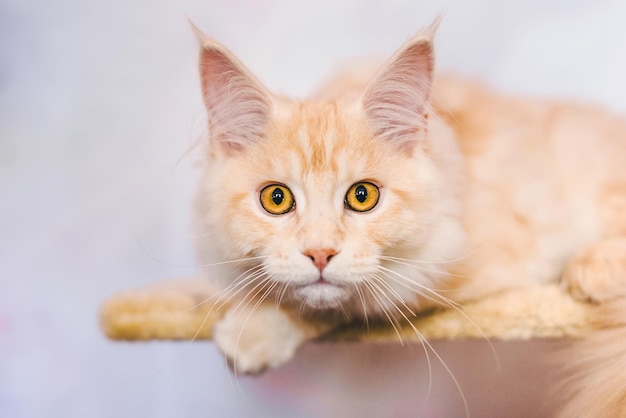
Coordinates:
184 309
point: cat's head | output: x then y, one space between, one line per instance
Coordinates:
329 202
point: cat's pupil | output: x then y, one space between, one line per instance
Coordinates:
277 196
361 193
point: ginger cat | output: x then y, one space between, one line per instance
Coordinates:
394 191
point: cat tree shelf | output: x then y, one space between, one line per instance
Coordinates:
174 310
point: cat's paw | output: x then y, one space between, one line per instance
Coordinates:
256 341
599 273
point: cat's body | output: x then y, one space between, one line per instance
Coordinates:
382 198
545 181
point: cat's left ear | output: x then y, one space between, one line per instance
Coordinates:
237 104
396 101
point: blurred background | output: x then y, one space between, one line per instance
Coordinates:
99 102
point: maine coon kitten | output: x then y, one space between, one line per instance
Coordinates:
369 199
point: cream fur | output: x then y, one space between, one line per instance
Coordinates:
480 193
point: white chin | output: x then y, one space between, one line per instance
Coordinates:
321 296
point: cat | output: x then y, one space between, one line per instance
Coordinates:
393 190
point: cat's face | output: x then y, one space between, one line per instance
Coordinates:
320 197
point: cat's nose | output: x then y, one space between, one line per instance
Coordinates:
320 256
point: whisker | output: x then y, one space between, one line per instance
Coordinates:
249 296
235 283
426 343
406 282
226 300
264 296
252 277
420 268
372 291
343 311
238 260
362 298
452 376
152 257
394 293
258 303
302 308
419 335
450 261
281 294
437 297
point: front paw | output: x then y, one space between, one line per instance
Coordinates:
256 340
599 273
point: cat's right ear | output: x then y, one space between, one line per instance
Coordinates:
237 104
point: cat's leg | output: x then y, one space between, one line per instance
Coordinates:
596 364
598 273
266 337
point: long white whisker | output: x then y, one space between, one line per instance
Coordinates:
362 298
406 282
258 303
265 295
258 288
415 330
281 294
394 293
251 278
239 260
418 289
343 311
372 290
421 268
438 298
454 379
450 261
239 280
302 308
246 282
426 343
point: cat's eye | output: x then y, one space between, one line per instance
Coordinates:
362 196
277 199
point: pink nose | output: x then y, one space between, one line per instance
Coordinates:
320 257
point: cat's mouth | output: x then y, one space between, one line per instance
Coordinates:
321 281
321 293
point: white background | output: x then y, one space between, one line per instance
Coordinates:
99 102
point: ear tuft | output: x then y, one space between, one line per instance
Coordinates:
237 104
396 101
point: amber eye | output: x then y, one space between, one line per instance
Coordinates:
277 199
362 196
